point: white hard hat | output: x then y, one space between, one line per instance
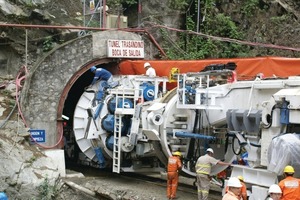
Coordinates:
210 150
274 189
234 182
147 65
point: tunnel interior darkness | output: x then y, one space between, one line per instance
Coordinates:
74 94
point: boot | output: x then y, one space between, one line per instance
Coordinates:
114 84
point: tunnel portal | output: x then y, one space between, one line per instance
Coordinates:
57 80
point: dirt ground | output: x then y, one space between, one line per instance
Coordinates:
115 186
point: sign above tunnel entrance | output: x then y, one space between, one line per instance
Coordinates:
125 49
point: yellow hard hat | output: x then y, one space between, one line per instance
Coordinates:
289 169
241 178
177 153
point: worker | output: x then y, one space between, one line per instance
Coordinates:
243 188
275 192
243 193
150 71
203 169
290 186
234 189
106 81
174 166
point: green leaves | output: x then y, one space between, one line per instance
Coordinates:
211 42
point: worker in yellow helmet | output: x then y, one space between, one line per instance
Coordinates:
290 186
174 165
243 188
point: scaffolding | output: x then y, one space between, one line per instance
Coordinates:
94 13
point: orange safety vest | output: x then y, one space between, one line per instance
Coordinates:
290 187
174 164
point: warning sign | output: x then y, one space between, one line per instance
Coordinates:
125 49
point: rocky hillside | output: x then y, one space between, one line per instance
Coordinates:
274 22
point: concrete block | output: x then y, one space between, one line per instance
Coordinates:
58 157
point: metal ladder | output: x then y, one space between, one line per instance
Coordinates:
180 123
117 143
119 113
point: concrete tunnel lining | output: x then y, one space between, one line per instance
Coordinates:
49 82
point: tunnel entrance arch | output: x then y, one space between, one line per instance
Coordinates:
58 77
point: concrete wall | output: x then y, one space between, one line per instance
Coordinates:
48 78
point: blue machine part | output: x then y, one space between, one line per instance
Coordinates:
190 89
148 91
108 124
110 142
111 105
127 103
284 113
100 157
245 158
192 135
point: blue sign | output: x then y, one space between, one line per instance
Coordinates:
37 135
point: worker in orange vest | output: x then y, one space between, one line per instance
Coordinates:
174 165
243 193
243 188
290 186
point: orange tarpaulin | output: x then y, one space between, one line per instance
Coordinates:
247 68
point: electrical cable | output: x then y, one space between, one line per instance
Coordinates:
271 119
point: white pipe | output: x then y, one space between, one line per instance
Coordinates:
78 187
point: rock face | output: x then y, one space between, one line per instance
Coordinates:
23 166
41 12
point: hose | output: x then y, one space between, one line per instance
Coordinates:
271 119
20 77
233 141
233 149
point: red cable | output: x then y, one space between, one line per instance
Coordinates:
20 77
